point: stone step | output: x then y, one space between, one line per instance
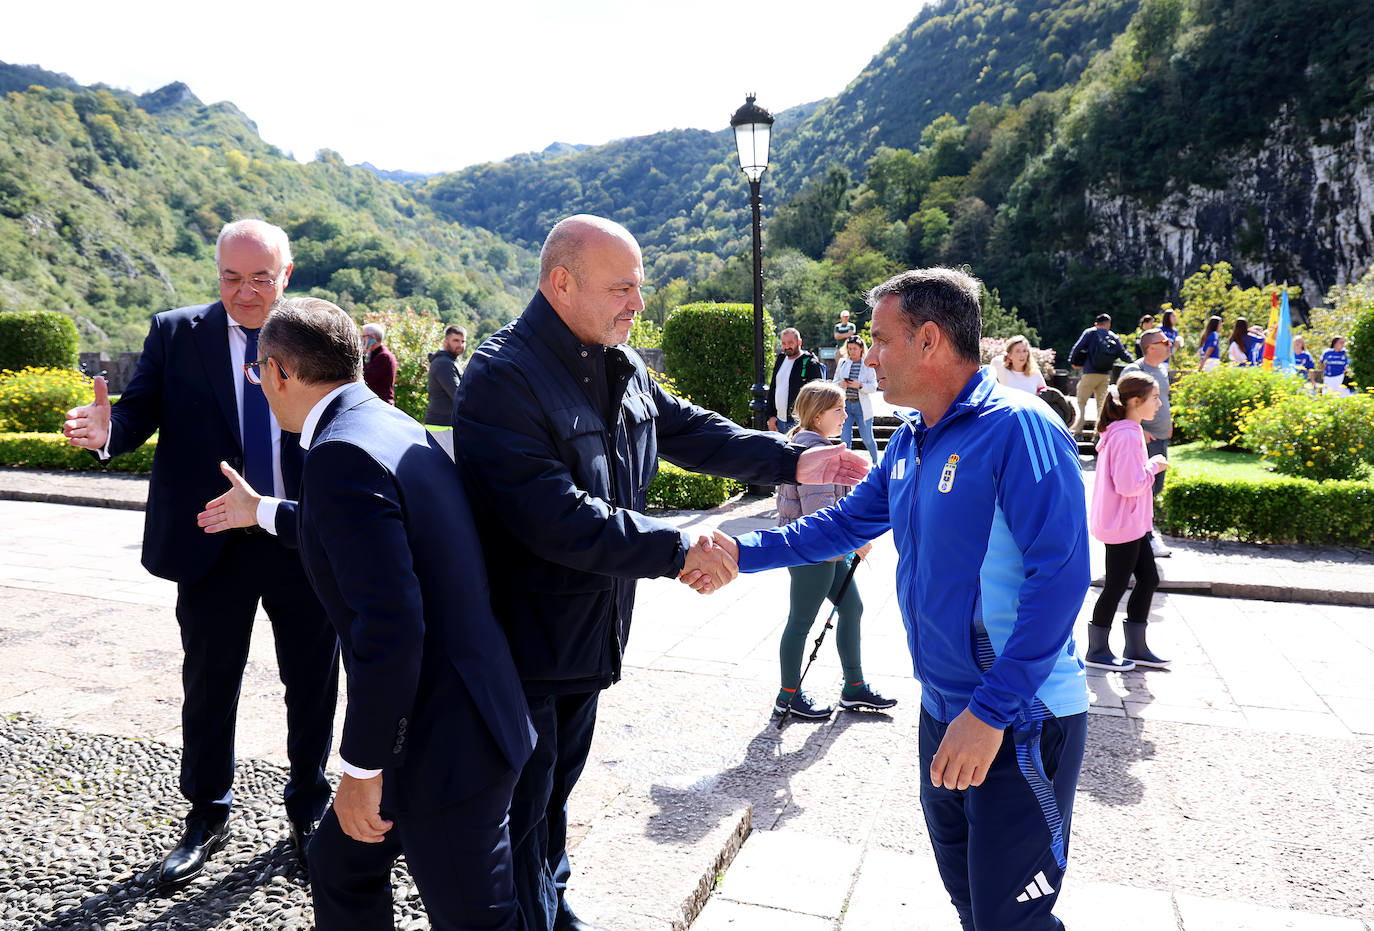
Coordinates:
651 856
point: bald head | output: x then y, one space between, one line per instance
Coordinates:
591 272
571 239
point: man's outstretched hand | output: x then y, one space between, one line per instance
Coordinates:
831 465
708 567
237 507
89 426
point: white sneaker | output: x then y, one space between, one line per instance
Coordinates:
1158 548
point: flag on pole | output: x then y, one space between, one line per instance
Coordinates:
1278 340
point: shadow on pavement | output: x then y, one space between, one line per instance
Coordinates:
1114 746
194 906
763 777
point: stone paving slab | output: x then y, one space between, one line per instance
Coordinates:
1220 915
1316 574
1265 803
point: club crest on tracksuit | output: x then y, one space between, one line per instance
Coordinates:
947 474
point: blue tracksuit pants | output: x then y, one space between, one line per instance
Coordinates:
995 843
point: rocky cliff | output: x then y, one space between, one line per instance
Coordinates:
1300 210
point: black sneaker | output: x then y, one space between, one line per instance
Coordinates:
803 706
859 696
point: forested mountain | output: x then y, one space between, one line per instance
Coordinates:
110 204
954 56
1080 156
1209 131
681 191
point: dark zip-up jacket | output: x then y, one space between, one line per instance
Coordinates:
558 489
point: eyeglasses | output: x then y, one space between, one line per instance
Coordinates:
256 283
254 373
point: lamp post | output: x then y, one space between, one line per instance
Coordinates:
753 126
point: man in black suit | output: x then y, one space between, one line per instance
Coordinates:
437 727
190 386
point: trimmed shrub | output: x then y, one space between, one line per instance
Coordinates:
411 336
52 451
709 352
1212 405
1361 345
1280 510
645 334
39 338
675 489
1318 437
36 400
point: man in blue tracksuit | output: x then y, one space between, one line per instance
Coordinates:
984 496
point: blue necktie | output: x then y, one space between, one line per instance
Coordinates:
257 428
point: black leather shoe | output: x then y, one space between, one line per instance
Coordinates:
301 832
203 837
567 921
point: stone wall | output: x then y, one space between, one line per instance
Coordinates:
117 371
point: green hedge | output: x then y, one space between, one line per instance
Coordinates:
1276 510
675 489
1213 405
709 352
1361 346
1320 438
52 451
42 338
36 400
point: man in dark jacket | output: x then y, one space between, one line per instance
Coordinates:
1094 354
558 429
797 367
444 375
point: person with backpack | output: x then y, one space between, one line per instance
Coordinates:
1094 354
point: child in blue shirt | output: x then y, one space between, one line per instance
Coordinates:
1302 360
1334 363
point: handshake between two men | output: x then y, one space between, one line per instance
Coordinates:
712 562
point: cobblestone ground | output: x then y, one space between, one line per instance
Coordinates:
84 823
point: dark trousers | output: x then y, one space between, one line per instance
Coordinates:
811 586
458 855
1157 448
539 810
216 619
993 842
1124 560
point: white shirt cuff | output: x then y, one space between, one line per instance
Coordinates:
267 514
103 453
356 772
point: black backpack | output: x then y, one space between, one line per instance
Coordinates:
1105 352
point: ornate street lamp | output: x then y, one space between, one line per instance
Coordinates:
753 128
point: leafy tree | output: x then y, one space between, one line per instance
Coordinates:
809 221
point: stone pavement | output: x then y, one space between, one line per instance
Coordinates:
1235 791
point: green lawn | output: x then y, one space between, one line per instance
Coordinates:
1201 459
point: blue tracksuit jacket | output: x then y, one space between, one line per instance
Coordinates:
987 510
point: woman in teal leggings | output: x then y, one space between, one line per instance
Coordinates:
820 414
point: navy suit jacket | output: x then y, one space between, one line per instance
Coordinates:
183 388
389 544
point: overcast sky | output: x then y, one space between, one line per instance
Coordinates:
433 87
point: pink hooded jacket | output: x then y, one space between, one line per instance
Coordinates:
1123 507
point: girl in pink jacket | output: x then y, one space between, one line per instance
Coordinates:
1121 515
